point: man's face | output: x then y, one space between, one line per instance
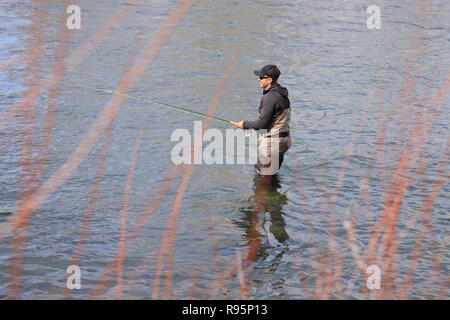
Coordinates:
265 81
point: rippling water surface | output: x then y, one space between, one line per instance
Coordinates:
370 115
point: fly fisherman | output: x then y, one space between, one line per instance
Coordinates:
274 116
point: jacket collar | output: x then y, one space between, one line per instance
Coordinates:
271 87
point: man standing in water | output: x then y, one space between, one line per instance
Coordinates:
274 116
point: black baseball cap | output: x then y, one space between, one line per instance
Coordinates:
270 70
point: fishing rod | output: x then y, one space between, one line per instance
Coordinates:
77 85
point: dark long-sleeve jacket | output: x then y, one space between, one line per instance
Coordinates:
273 102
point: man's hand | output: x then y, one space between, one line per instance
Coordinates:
239 125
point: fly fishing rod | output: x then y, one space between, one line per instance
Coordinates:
76 85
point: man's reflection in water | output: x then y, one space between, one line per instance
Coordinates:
266 199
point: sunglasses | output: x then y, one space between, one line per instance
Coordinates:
263 78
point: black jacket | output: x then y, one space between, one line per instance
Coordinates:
273 102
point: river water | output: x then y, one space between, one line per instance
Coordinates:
350 87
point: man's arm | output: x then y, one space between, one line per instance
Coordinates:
265 117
